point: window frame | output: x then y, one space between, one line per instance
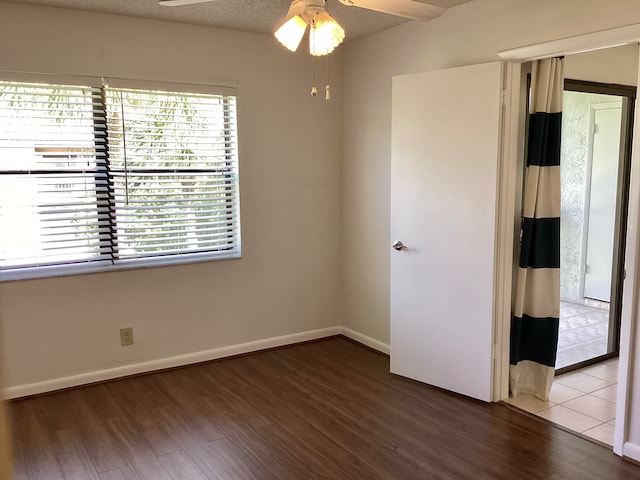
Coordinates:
109 233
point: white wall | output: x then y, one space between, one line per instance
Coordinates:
467 34
288 280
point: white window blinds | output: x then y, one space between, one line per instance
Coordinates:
106 176
52 183
172 160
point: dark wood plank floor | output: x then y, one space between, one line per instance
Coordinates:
323 410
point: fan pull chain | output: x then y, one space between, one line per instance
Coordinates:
314 90
327 89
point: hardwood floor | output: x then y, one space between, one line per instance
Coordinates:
323 410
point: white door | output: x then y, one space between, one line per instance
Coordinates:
445 137
605 155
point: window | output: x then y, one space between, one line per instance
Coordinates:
96 178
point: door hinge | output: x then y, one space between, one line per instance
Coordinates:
504 97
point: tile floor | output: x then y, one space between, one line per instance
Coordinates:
583 332
582 401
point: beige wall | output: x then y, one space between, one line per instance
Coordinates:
613 65
5 435
468 34
288 279
5 446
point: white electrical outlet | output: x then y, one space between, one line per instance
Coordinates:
126 336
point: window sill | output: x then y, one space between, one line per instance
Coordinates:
103 267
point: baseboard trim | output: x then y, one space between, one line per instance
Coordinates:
178 361
631 451
366 340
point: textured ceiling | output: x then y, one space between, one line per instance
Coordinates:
260 16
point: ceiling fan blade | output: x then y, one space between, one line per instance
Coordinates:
178 3
400 8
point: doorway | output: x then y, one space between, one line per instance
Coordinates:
595 177
595 164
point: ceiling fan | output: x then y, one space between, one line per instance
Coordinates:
401 8
324 32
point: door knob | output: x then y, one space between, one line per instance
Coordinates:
398 245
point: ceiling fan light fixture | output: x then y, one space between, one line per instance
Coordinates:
325 34
291 32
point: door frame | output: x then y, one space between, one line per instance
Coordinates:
508 221
629 93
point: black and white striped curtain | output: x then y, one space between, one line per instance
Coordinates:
534 328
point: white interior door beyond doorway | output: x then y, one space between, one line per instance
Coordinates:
603 162
446 128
